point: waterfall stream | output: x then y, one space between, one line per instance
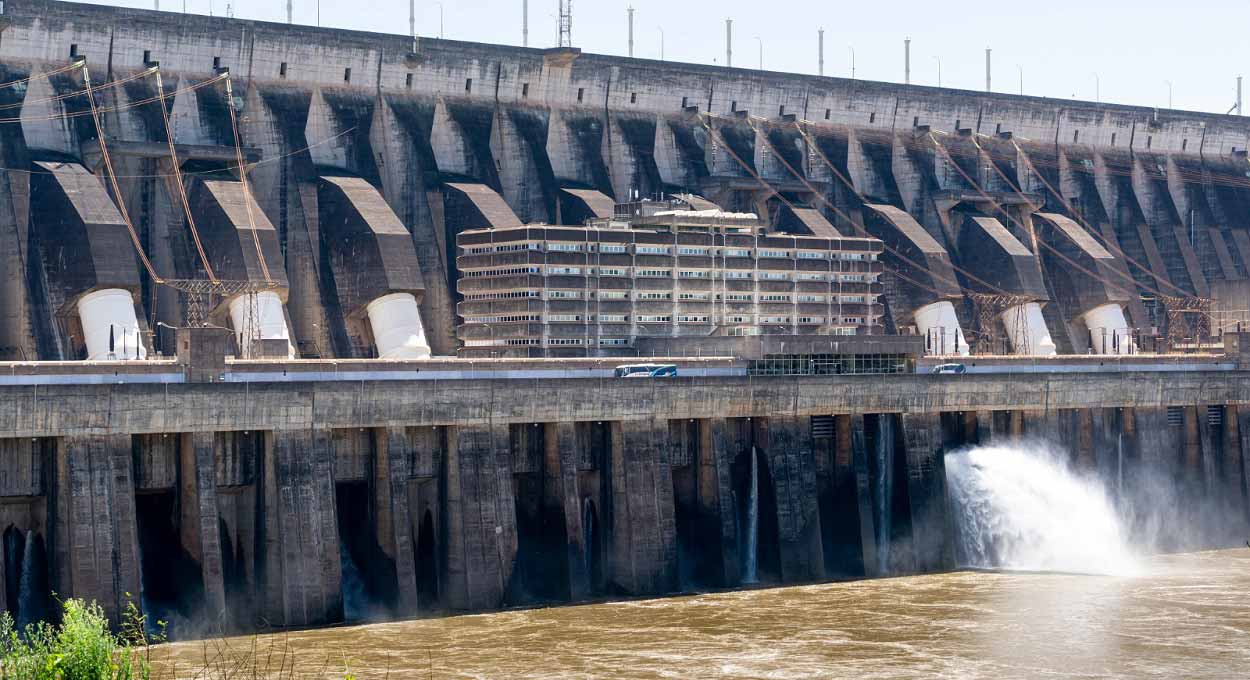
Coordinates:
884 491
28 609
750 563
1018 506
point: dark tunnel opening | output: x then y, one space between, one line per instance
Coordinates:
26 577
173 585
592 540
542 570
767 553
368 576
426 563
233 574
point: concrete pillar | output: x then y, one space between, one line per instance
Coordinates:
392 523
932 542
1191 452
302 581
985 427
97 514
200 522
716 454
1232 474
1243 431
561 498
1082 421
643 543
481 516
863 496
1015 426
787 442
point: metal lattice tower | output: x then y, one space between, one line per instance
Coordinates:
989 311
1187 317
566 23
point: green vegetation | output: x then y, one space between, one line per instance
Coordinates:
81 648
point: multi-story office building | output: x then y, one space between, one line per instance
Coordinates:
657 269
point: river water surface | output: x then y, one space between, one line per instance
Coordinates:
1182 616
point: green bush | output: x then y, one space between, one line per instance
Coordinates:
81 648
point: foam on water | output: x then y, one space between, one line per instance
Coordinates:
1019 507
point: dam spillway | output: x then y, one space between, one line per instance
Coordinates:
345 205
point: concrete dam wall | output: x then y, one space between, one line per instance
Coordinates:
305 503
1033 225
304 188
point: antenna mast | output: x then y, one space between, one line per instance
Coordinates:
566 23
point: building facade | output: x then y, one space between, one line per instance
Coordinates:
657 269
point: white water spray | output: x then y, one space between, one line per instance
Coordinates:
1017 506
750 570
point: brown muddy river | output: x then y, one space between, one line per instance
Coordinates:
1183 616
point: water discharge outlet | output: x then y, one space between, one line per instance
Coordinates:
1019 507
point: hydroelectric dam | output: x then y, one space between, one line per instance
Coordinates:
302 325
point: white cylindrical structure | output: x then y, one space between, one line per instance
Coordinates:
1027 332
397 329
265 321
1108 330
939 325
110 312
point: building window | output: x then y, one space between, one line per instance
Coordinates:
775 253
613 342
693 274
347 75
581 92
653 296
525 89
811 298
774 298
655 273
775 276
651 250
563 318
611 271
812 255
612 248
612 318
408 81
282 70
732 274
662 318
612 295
564 247
737 252
690 250
468 85
564 271
564 295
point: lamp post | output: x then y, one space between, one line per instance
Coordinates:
852 47
440 20
1169 93
761 42
661 30
1097 88
939 63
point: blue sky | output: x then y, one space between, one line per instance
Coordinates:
1134 48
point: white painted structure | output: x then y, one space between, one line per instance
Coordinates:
397 329
937 322
264 321
110 312
1027 332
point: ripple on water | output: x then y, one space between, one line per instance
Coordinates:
1186 616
